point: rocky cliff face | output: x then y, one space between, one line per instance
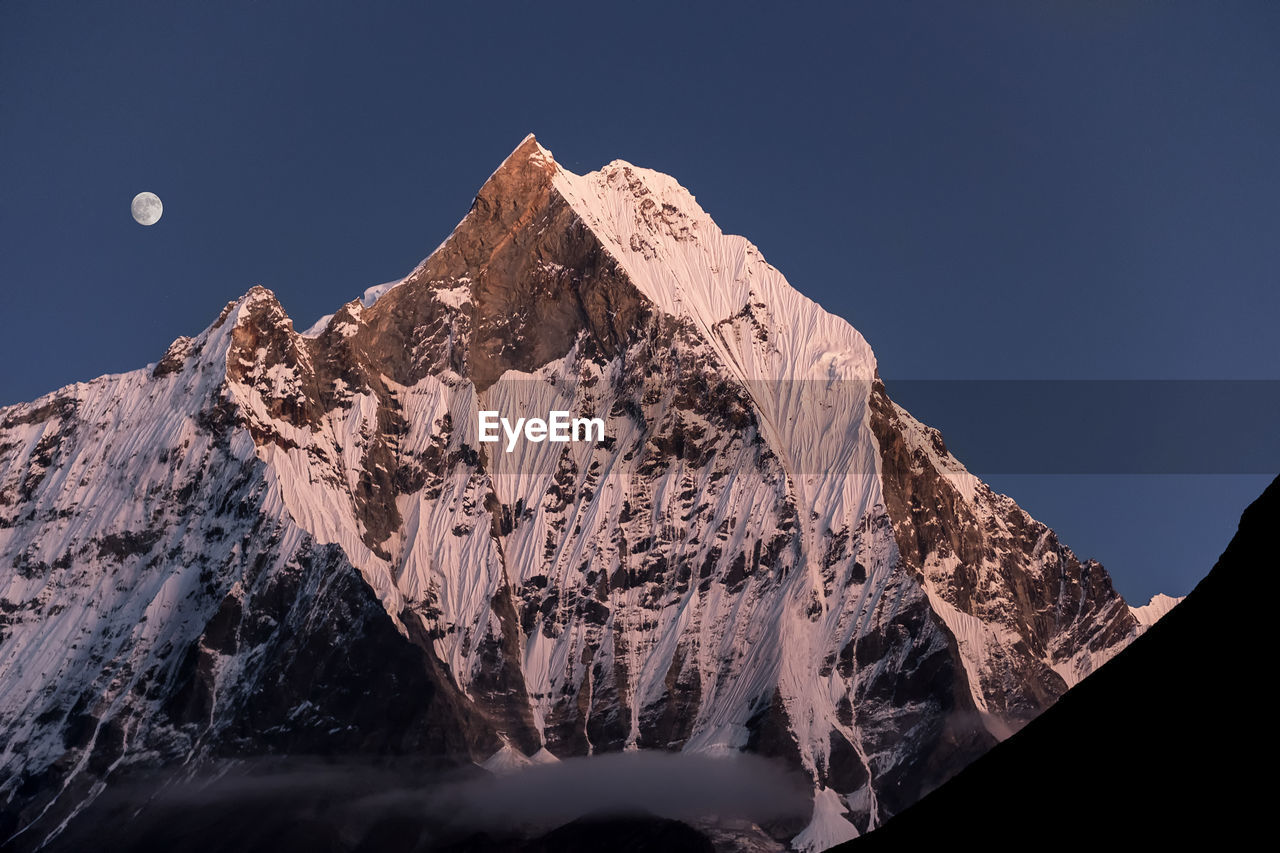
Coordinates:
273 542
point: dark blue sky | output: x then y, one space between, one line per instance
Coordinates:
987 190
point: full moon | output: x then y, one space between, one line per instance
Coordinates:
146 208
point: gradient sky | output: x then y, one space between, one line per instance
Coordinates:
986 190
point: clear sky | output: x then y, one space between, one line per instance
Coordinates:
1074 189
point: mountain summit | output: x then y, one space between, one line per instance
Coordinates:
281 543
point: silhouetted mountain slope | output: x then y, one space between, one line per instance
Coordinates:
1169 743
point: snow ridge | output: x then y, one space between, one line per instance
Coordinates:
1155 609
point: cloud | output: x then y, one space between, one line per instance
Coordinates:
673 785
251 805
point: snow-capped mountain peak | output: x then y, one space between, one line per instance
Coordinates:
221 554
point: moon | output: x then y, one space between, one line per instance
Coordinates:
146 208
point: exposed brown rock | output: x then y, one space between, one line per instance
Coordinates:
999 575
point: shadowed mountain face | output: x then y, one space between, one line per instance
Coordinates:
1165 745
274 543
